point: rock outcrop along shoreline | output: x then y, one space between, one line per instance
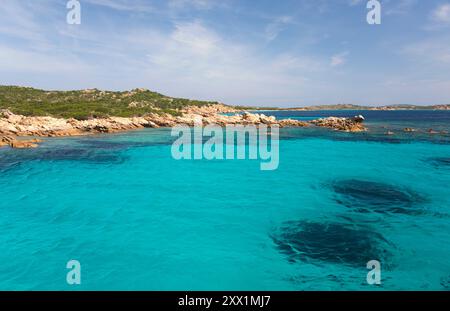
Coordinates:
13 126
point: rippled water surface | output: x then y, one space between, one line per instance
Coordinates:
137 219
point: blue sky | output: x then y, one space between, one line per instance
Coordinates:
242 52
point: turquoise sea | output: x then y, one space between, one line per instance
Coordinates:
136 219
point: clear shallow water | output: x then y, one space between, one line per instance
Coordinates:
137 219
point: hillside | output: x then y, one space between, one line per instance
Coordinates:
92 103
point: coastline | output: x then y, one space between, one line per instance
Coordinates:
358 108
14 128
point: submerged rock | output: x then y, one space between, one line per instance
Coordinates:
24 144
109 145
368 196
85 155
331 243
19 144
440 162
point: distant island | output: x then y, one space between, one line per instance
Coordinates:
357 107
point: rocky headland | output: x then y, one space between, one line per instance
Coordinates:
15 128
354 124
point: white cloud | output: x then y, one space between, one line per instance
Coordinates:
441 14
398 7
354 2
18 20
195 4
196 38
124 5
15 60
435 51
277 26
201 50
194 58
339 59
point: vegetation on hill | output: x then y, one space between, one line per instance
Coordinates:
93 103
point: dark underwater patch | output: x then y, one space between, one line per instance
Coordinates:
331 243
88 150
445 282
7 163
78 154
368 196
439 162
369 138
114 145
14 158
103 144
307 133
372 136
